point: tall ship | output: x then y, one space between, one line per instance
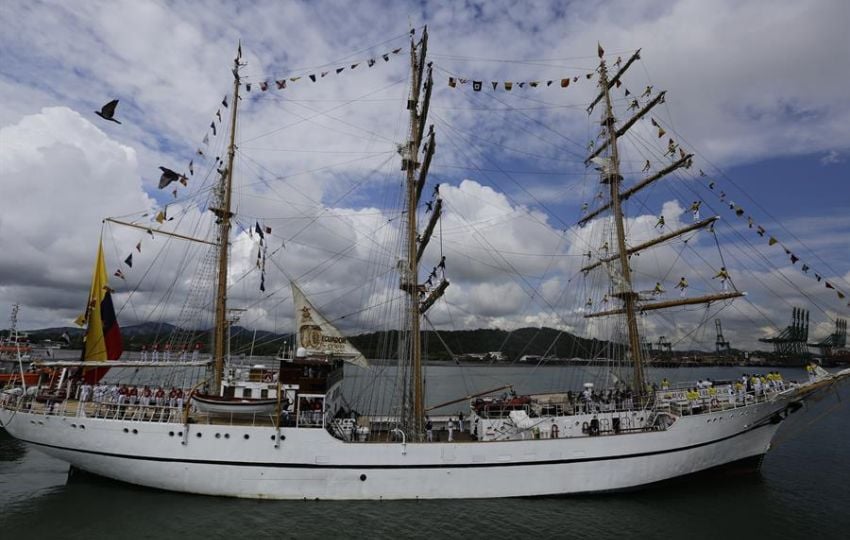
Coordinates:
206 424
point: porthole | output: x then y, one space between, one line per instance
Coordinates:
170 433
218 435
82 426
227 435
272 437
126 430
73 425
246 436
362 477
198 434
135 431
180 434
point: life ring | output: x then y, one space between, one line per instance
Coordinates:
555 431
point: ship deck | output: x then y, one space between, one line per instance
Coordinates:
380 429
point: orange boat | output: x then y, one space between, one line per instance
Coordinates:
14 379
14 344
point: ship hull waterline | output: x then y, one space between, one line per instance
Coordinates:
310 463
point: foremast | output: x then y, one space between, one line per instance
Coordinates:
413 413
224 215
610 174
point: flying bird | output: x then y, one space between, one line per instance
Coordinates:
169 176
108 111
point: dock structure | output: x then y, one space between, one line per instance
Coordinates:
721 345
664 345
794 338
835 342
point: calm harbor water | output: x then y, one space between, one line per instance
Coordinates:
802 491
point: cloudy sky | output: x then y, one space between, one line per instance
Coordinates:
757 91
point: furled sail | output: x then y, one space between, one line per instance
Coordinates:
318 336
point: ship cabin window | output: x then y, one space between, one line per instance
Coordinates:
264 393
229 391
246 392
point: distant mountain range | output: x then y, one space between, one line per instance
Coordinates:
445 346
466 345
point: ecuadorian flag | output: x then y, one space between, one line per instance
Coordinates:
103 336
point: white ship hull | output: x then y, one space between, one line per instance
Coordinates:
310 463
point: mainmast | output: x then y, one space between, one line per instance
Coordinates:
224 215
611 175
417 174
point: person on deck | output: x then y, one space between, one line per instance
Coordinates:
451 427
460 421
693 398
284 411
740 390
85 391
757 388
429 430
811 368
